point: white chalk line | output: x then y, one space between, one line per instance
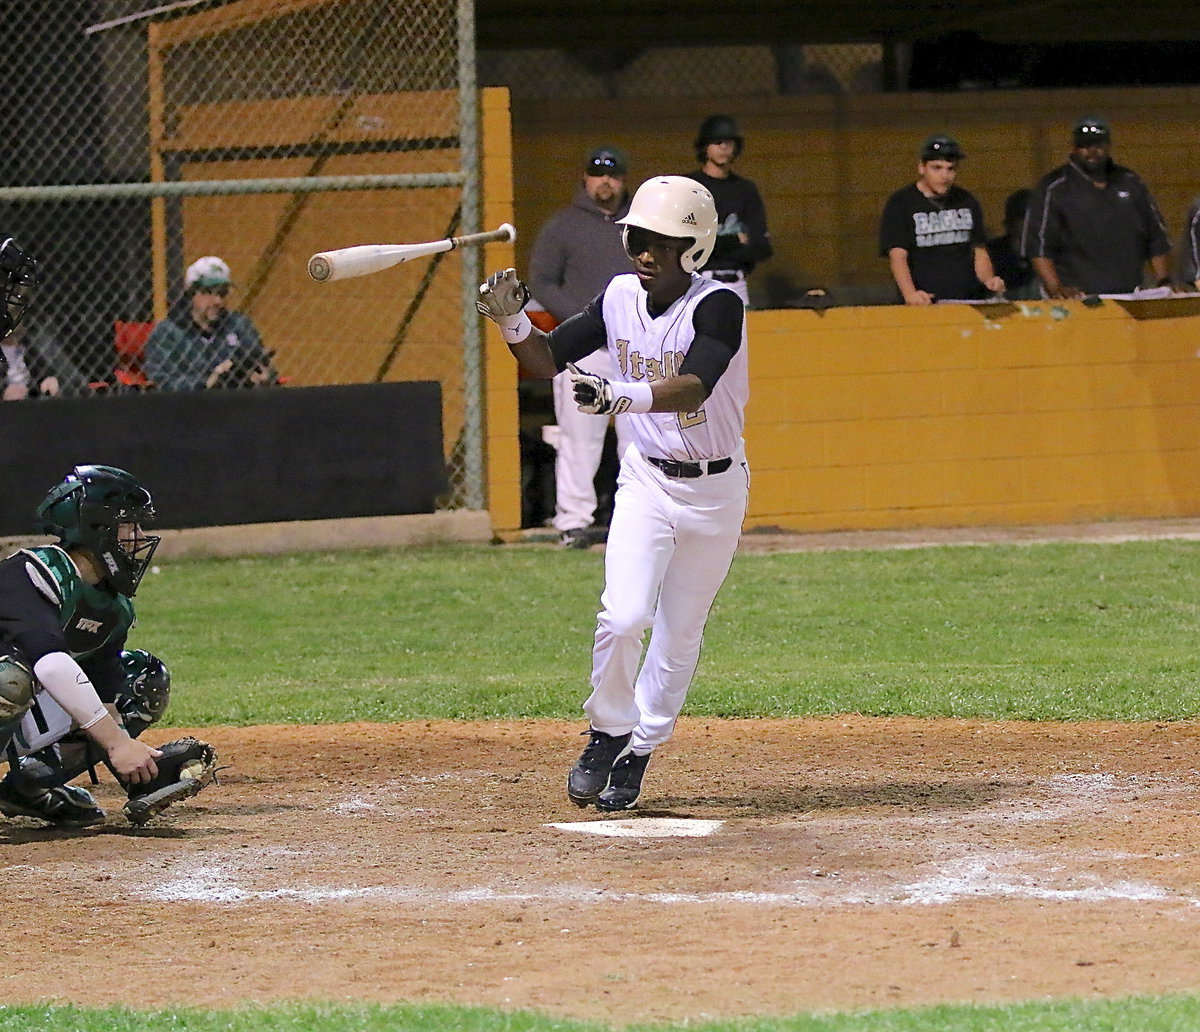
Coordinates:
964 871
1048 877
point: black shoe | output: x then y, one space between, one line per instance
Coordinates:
590 773
577 537
62 805
624 784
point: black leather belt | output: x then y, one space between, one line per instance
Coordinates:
728 275
689 470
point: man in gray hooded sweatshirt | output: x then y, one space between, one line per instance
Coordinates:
577 252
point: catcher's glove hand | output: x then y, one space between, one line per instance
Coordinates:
185 766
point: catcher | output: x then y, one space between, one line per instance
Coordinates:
71 696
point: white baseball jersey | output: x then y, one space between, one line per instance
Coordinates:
648 349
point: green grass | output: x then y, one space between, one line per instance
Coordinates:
1143 1014
1057 631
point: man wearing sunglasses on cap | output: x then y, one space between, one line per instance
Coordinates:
1092 224
577 252
202 344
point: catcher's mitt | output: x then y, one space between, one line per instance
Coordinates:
185 767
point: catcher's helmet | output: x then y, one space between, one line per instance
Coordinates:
87 510
18 275
675 206
714 129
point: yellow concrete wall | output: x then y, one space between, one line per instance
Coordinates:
955 415
503 458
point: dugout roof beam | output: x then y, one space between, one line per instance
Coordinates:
515 24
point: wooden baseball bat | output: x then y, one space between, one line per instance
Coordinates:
327 266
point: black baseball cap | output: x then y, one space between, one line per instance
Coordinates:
606 161
940 147
1090 129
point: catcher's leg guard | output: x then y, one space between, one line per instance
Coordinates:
32 789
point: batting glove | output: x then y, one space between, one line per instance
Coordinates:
600 397
502 298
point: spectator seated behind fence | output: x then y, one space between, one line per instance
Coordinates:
932 233
38 366
1093 224
201 343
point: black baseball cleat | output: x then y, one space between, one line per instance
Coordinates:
577 537
64 806
590 773
624 783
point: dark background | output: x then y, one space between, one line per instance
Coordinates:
215 458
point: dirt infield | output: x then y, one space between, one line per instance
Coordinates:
844 863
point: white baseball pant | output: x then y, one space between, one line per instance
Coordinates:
581 446
669 549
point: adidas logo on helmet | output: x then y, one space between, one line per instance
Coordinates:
689 219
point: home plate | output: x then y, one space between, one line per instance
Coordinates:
643 827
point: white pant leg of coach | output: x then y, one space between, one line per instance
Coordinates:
691 530
580 447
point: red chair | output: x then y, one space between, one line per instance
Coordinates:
129 340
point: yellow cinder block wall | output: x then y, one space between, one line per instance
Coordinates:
887 417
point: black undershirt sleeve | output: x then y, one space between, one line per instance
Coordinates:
580 335
718 324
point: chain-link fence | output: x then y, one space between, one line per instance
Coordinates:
262 131
672 73
248 130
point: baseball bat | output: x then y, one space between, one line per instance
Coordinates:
327 266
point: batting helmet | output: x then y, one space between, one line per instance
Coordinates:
675 206
86 511
714 129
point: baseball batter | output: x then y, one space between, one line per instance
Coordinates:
679 342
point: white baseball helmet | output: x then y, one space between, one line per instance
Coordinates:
675 206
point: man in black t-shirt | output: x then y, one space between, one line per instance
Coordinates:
932 233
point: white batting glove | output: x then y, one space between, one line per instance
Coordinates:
600 397
502 298
593 394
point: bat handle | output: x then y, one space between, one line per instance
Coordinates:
319 268
506 232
